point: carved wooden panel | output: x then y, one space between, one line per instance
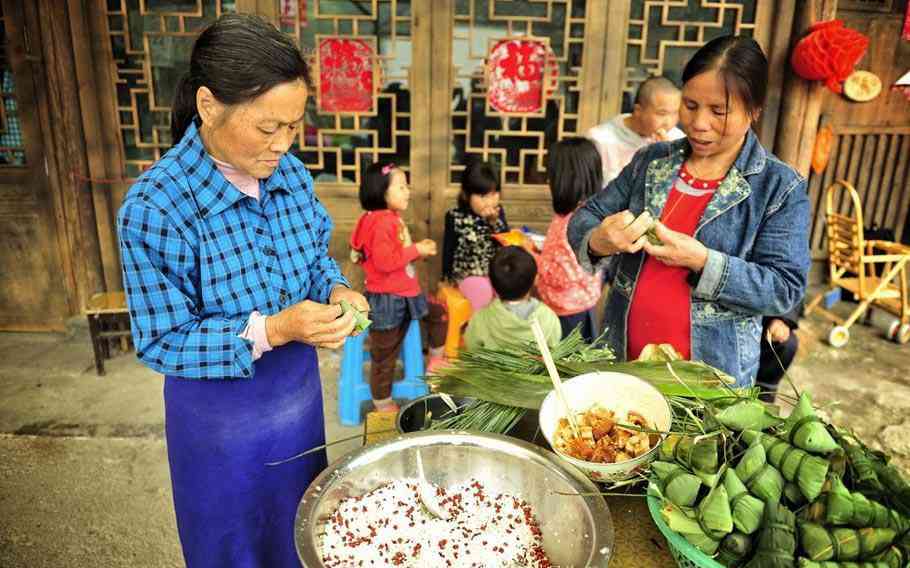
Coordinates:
663 34
151 42
515 141
335 143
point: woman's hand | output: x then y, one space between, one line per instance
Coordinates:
356 299
778 331
620 232
310 322
426 247
678 249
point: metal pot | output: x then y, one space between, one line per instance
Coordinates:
412 418
577 529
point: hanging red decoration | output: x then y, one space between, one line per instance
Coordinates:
517 73
906 33
828 53
346 75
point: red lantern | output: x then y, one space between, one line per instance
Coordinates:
828 53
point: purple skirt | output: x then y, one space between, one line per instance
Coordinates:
233 511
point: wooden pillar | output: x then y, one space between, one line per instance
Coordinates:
268 9
593 57
801 99
614 70
775 29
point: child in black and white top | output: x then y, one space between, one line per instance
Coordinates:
468 244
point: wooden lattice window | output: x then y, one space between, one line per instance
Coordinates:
663 34
151 42
514 141
336 145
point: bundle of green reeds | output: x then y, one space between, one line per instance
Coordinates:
505 380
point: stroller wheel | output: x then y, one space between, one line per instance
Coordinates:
838 336
902 336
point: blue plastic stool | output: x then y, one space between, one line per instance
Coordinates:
354 387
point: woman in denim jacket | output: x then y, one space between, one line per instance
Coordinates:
731 243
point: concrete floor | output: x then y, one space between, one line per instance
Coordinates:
83 468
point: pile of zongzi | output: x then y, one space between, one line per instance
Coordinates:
755 490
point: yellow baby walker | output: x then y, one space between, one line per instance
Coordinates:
874 271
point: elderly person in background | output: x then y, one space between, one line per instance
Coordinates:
653 119
231 290
731 243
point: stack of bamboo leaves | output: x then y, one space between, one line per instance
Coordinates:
752 489
504 383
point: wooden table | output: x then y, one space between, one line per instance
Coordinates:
638 542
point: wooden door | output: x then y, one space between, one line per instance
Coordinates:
32 292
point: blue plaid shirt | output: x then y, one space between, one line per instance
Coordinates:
199 256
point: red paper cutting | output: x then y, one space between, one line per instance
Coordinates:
345 75
517 69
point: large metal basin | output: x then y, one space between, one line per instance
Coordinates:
577 528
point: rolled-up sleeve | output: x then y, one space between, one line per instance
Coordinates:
168 331
773 280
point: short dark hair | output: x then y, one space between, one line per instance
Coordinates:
373 186
742 64
575 172
512 272
238 57
478 178
651 86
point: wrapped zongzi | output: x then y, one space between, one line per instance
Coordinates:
776 544
822 543
698 454
760 477
843 507
806 563
734 549
808 471
748 414
747 510
676 483
806 431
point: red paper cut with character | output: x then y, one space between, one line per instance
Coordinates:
516 70
345 75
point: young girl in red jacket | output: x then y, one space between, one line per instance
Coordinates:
382 244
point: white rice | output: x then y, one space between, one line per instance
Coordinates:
390 527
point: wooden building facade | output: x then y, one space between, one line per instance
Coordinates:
87 86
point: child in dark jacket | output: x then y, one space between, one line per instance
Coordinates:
468 244
382 244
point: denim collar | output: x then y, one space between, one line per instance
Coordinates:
734 188
212 191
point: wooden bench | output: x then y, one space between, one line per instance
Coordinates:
108 325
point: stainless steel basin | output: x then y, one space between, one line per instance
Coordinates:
577 528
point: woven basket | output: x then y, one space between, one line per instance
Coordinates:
686 555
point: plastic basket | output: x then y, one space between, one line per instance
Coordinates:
686 555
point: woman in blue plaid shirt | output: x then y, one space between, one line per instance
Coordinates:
231 289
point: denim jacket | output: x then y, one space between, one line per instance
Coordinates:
756 228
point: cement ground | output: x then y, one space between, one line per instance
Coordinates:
83 469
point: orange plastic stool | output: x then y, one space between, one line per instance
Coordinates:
458 311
